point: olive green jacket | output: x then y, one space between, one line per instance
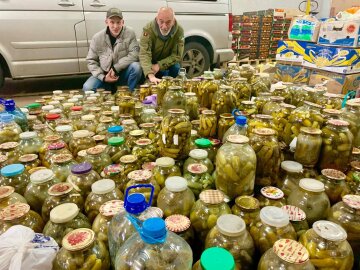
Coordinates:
154 50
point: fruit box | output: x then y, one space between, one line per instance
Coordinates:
304 28
291 73
340 33
291 51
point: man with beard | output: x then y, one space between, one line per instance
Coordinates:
161 46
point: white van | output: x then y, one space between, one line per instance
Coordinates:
49 38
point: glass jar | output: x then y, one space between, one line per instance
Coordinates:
242 89
174 98
226 120
35 109
88 122
192 105
297 218
259 121
30 143
283 91
8 196
327 246
81 141
130 163
261 99
165 168
82 177
65 132
15 175
175 134
336 145
102 221
335 185
79 250
273 225
98 158
114 131
286 254
75 117
331 114
29 161
247 208
51 120
65 218
162 88
311 198
9 130
351 114
117 148
152 131
206 211
53 149
224 100
147 116
198 156
208 122
331 101
308 146
11 150
3 161
281 119
259 87
206 145
129 125
58 194
144 91
198 178
206 90
61 166
127 105
193 85
101 191
181 225
133 136
271 196
20 214
274 105
248 108
145 151
104 124
235 167
292 172
353 177
176 197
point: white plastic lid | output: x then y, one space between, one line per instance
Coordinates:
56 111
73 100
54 102
230 225
57 92
41 176
115 108
95 95
28 135
312 185
63 128
78 96
329 230
274 216
47 107
176 184
91 98
149 111
88 117
198 154
81 133
24 110
194 132
165 162
68 104
64 213
291 166
103 186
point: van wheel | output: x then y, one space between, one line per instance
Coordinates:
2 78
196 59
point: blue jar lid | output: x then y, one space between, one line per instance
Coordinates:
12 170
81 168
6 117
9 105
154 230
241 120
135 203
115 129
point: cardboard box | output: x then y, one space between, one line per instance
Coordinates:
304 28
334 59
291 73
340 33
337 83
291 51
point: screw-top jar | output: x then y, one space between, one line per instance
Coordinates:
308 146
9 130
353 178
192 105
225 122
81 141
198 156
351 114
30 142
334 183
198 178
206 90
65 131
15 175
117 148
145 151
8 196
247 208
30 161
208 123
215 258
98 158
297 218
61 166
271 196
260 121
292 173
165 168
224 100
174 98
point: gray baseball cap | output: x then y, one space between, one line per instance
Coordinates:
114 12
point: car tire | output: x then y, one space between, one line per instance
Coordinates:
2 78
196 59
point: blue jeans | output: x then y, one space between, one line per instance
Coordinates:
129 76
172 71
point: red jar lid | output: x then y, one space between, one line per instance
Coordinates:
52 116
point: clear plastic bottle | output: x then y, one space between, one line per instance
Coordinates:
19 117
239 128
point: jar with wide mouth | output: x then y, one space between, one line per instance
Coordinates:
165 167
174 98
242 89
16 176
331 101
9 130
104 124
224 100
208 124
98 158
271 196
248 208
192 105
351 114
198 156
8 196
308 146
81 140
273 106
291 173
335 184
226 120
11 150
30 143
297 218
65 132
206 90
117 148
260 121
61 166
181 225
145 151
30 161
56 148
129 125
198 178
248 108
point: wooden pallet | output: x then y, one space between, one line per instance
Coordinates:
252 61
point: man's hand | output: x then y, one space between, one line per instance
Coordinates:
153 79
111 77
155 68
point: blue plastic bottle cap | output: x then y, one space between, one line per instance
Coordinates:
135 203
9 105
154 228
12 170
241 120
115 129
6 118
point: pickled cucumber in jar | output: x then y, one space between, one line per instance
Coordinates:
308 146
208 122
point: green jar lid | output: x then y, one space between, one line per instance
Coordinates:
216 258
203 143
33 106
116 141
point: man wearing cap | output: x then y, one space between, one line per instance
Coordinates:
161 46
113 57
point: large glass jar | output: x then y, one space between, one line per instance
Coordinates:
334 183
283 91
206 211
242 89
297 218
114 131
30 143
331 101
235 167
129 125
102 221
224 100
30 161
174 98
36 191
327 246
192 105
11 150
271 196
176 197
336 145
273 225
75 117
130 163
193 85
311 198
101 191
117 148
331 114
198 156
65 218
61 166
181 225
259 87
82 177
133 136
152 131
98 158
53 149
226 120
58 194
353 177
260 121
261 99
3 161
198 178
104 124
230 233
248 108
274 105
144 91
206 90
127 105
286 254
65 131
79 250
291 175
20 214
162 88
15 175
51 120
308 146
81 141
165 168
281 119
145 151
208 124
9 130
88 122
8 196
175 134
351 114
247 208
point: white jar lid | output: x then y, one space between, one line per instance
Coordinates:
329 230
24 110
194 132
57 111
312 185
165 162
63 128
88 93
81 133
28 135
41 176
68 104
92 98
291 166
64 213
274 216
95 95
176 184
88 117
115 108
230 225
57 92
47 107
78 96
73 100
103 186
54 102
198 154
149 111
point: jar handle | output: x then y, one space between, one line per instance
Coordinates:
140 186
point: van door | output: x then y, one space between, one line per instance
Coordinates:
38 37
137 13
